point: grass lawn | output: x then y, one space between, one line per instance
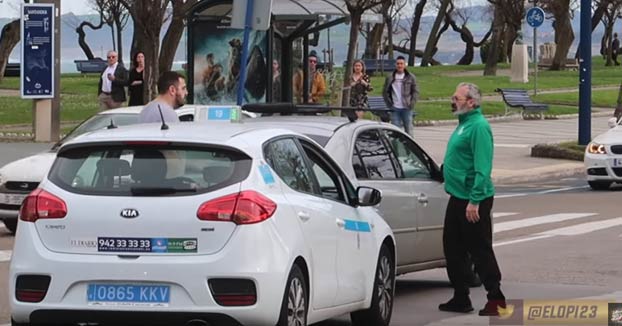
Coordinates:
600 98
79 92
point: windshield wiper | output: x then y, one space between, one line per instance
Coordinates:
150 191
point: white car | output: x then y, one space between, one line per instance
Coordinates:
20 177
200 224
603 157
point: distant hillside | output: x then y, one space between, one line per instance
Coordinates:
451 47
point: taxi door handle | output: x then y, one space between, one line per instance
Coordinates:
422 198
341 223
304 216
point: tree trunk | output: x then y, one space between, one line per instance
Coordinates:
598 15
418 54
120 42
172 37
609 35
493 50
8 40
414 29
389 22
508 41
114 43
433 38
138 42
373 41
563 37
355 23
82 37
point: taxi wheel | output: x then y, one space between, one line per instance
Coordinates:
11 225
294 306
379 314
599 185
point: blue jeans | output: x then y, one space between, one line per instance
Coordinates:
403 118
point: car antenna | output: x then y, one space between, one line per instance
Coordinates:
112 125
164 125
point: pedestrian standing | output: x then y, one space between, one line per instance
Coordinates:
360 85
172 91
615 48
316 84
467 229
111 88
400 94
135 87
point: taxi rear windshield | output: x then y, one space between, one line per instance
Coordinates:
131 170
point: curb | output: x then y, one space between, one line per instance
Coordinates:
536 174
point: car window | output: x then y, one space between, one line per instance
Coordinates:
101 121
326 175
411 159
285 158
371 157
127 170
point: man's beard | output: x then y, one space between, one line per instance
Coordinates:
458 111
179 102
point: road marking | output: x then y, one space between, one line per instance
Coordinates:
507 226
586 227
538 237
5 255
543 192
502 214
578 229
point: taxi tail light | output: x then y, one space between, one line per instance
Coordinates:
41 204
233 292
31 288
246 207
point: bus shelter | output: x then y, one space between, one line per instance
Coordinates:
215 50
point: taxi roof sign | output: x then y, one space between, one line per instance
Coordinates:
229 113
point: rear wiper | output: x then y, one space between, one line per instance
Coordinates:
149 191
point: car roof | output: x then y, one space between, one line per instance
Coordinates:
310 125
127 109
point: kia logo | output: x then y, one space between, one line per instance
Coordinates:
129 213
23 185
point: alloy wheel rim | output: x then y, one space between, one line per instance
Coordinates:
296 307
385 288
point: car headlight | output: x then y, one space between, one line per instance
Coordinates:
596 148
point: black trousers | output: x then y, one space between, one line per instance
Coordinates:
461 237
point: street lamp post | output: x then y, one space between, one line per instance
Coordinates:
585 73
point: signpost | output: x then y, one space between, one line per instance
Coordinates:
535 19
37 68
40 66
585 74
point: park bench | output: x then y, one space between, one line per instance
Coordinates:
91 66
518 98
376 103
571 63
373 65
12 70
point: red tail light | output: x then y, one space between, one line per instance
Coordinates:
246 207
41 204
236 300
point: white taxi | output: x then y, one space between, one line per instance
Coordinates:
200 224
603 157
19 178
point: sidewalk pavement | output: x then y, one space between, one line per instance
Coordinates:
513 140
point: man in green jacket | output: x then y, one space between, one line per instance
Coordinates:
468 227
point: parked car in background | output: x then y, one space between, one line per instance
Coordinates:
603 157
204 223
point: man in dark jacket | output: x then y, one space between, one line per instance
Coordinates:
111 88
615 48
400 93
467 229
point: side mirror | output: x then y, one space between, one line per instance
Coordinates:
612 122
368 196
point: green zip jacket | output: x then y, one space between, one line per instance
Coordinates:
468 160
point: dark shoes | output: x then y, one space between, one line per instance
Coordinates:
456 305
492 308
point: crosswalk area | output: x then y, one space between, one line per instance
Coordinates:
514 227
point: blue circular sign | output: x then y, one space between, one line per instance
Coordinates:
535 17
